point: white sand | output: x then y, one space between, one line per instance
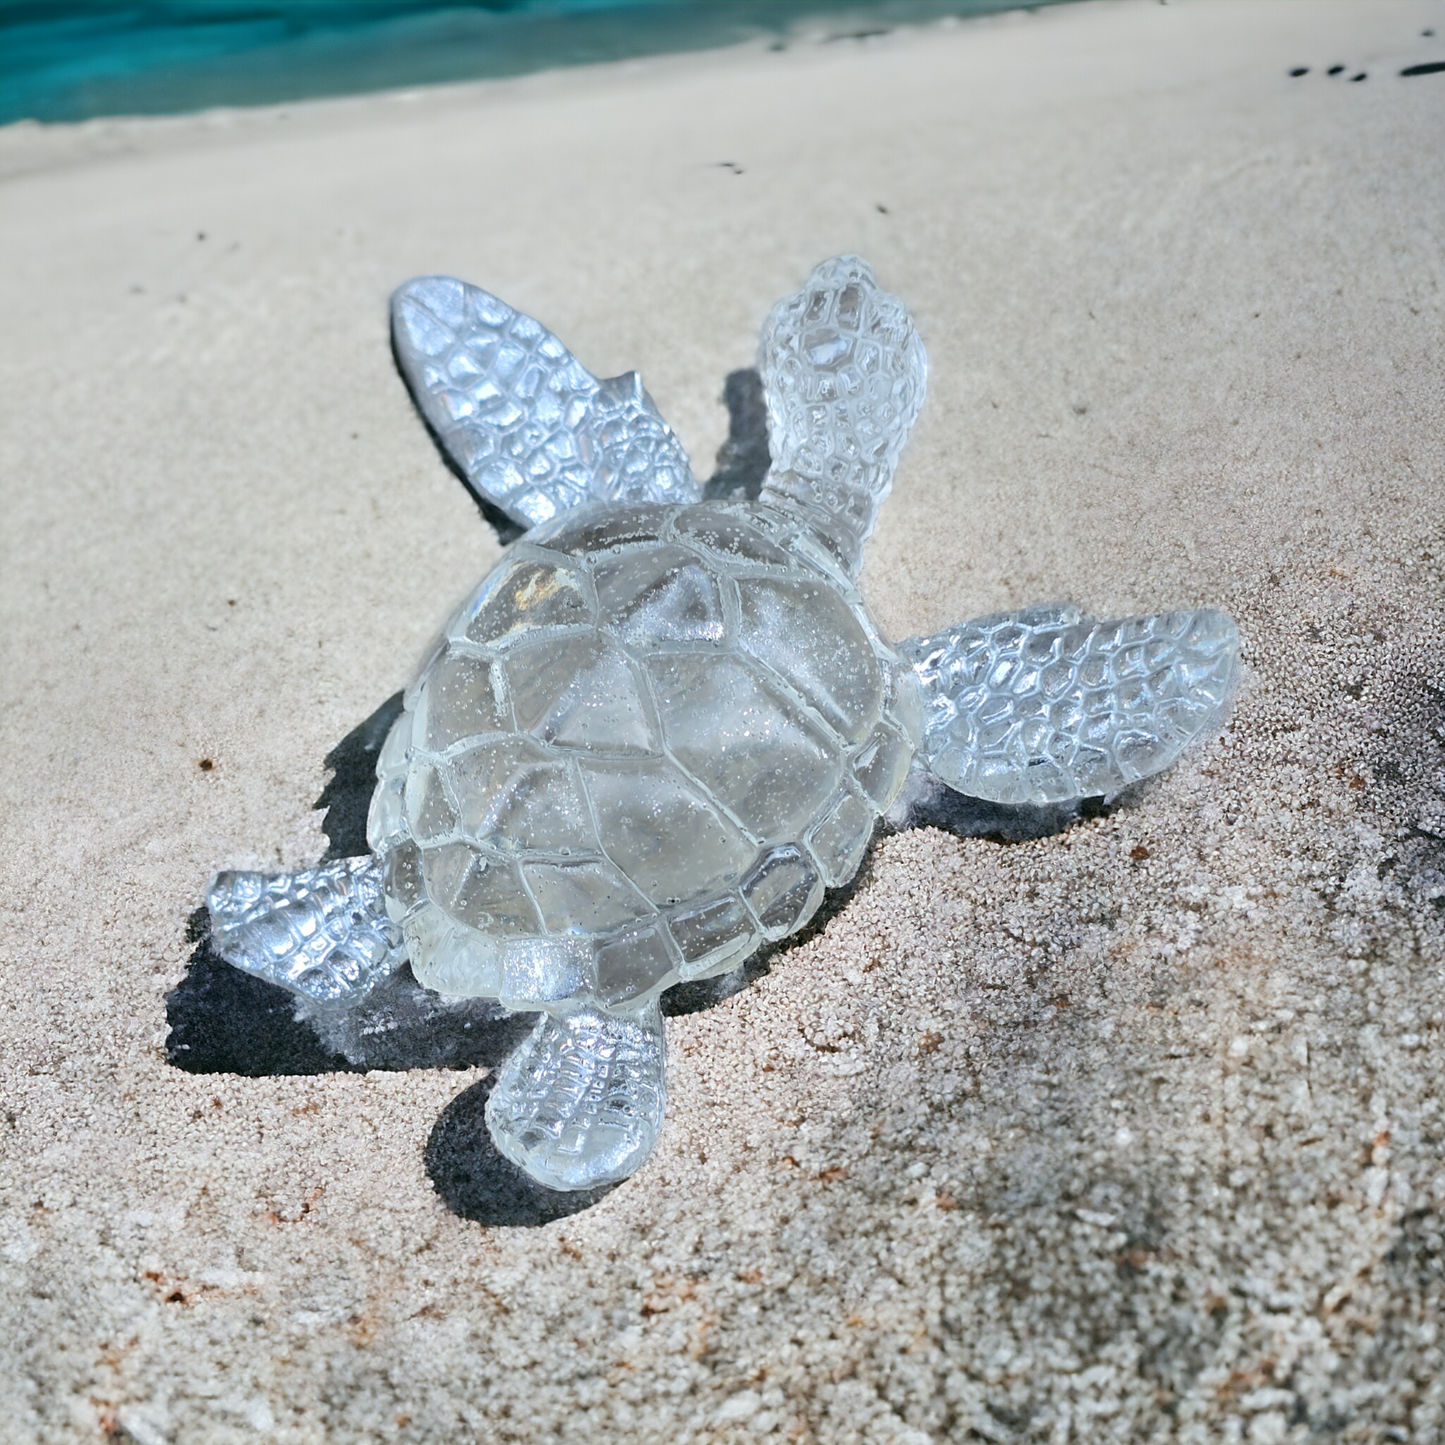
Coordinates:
1046 1142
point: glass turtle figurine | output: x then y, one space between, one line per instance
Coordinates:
662 726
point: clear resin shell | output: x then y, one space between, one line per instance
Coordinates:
649 741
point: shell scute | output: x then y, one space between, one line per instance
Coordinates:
713 935
429 811
465 697
630 964
579 692
386 818
665 594
485 894
881 764
591 530
515 796
645 811
840 839
718 528
806 633
756 753
405 890
588 895
782 890
527 593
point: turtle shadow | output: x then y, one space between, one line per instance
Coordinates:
925 802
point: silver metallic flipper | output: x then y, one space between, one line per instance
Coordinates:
322 933
1044 706
580 1103
532 429
844 373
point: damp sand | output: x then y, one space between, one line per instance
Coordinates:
1129 1133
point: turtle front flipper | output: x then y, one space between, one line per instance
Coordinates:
323 933
580 1103
529 427
1046 705
844 373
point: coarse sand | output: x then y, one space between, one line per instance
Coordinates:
1131 1133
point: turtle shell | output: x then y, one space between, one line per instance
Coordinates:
646 743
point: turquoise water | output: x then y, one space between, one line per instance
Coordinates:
66 60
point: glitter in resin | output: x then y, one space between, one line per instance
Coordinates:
661 727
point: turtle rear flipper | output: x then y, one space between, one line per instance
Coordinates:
580 1103
529 427
1047 706
323 933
